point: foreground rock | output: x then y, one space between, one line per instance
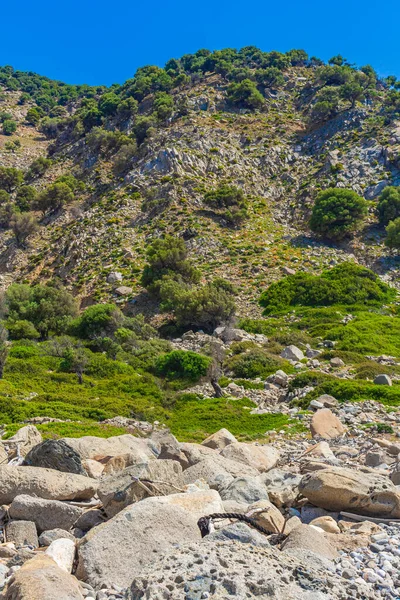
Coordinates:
44 483
241 571
308 538
94 447
326 425
143 530
26 438
46 514
55 454
41 579
123 488
339 489
219 440
262 458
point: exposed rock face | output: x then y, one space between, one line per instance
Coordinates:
47 514
327 425
292 353
143 530
122 489
335 488
262 458
55 454
44 483
41 579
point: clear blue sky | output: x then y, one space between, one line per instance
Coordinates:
81 41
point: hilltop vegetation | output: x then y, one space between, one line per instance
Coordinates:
172 202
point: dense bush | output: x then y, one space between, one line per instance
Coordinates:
98 320
37 168
393 234
389 205
53 198
337 213
255 362
168 257
229 201
181 364
9 127
25 198
48 308
10 178
346 284
23 225
245 94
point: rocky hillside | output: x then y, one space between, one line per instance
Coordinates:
147 152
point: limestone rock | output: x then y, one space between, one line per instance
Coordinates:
326 524
119 490
41 579
327 425
62 551
27 437
143 530
94 447
266 515
262 458
22 533
51 535
308 538
55 454
47 514
219 440
292 353
340 489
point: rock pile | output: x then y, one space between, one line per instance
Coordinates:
117 518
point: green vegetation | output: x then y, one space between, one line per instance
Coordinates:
9 127
389 205
393 234
229 201
337 213
345 284
180 364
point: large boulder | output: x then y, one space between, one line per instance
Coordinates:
51 535
267 515
308 538
118 550
195 453
44 483
26 438
94 447
41 579
215 466
169 447
219 440
244 490
47 514
62 551
292 353
339 489
156 478
262 458
55 454
326 425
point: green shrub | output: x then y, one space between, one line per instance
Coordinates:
98 320
345 284
23 225
37 168
25 198
9 127
10 178
53 198
337 213
245 94
389 205
181 364
254 363
393 234
4 197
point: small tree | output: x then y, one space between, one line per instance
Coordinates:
4 197
389 204
54 197
26 196
23 225
245 94
10 178
75 360
337 213
9 127
393 234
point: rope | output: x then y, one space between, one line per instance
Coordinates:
204 522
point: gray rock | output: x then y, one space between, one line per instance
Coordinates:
47 514
94 447
44 483
292 353
216 466
114 277
22 533
245 490
55 454
123 290
51 535
282 486
308 538
119 490
383 380
90 518
240 532
143 531
336 362
315 405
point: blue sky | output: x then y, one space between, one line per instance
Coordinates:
104 42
